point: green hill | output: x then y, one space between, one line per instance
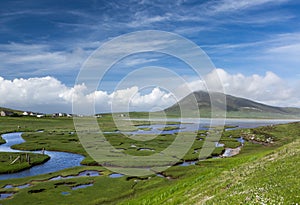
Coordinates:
11 110
235 106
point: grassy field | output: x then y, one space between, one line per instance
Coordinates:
258 175
267 164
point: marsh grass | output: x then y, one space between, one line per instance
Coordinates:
261 173
6 158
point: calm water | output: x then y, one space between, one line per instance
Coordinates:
116 175
194 124
58 160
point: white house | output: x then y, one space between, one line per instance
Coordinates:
5 113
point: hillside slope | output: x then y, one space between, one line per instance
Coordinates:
258 175
10 110
272 179
237 105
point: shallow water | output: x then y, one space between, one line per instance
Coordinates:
188 163
82 186
65 193
116 175
146 149
63 160
217 144
20 186
81 174
57 162
5 195
160 175
241 140
195 124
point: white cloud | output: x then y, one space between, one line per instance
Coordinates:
24 93
39 59
233 5
156 98
47 93
285 48
141 20
269 89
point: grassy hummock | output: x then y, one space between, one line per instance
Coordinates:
6 159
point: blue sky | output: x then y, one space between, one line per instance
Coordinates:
248 38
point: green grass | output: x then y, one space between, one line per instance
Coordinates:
6 158
259 168
259 174
269 180
146 128
169 128
54 140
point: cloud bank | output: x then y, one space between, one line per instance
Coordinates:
47 94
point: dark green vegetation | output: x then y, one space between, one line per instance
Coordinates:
236 107
168 128
265 171
24 161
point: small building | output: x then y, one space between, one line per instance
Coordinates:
6 113
33 114
55 115
62 114
25 113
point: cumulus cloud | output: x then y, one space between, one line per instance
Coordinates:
32 91
47 94
268 88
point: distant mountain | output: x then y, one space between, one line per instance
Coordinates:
235 106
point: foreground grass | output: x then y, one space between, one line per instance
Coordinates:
257 178
272 179
6 158
259 175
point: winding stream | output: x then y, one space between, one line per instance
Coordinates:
63 160
58 160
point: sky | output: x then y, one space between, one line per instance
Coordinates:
253 44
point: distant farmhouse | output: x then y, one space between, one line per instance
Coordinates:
62 115
6 113
27 113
